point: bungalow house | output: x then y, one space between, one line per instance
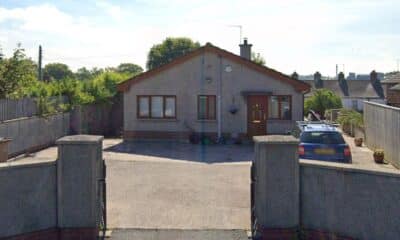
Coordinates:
352 92
213 92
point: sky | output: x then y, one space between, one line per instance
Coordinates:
302 36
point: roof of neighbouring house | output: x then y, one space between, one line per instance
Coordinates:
355 88
395 87
391 78
300 86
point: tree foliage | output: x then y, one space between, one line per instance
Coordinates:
322 100
168 50
129 68
56 71
257 58
16 72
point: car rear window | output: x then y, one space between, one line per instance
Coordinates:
322 137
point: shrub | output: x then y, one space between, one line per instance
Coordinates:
322 100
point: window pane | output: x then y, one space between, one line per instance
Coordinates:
285 108
156 107
273 107
202 107
169 107
143 107
211 107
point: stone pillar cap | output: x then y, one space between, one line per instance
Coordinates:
80 139
276 139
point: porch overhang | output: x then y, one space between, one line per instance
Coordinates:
255 93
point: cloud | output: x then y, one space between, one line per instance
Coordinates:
291 35
113 11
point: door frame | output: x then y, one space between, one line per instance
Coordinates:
248 112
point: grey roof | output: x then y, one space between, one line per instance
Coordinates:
355 89
396 87
391 78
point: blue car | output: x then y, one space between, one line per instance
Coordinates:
322 141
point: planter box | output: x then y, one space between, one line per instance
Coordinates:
4 149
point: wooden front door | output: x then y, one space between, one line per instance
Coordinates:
256 115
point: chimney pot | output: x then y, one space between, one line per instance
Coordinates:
245 49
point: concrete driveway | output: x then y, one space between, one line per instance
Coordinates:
163 185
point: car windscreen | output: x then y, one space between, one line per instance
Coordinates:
322 137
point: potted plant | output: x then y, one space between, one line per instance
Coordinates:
379 155
358 141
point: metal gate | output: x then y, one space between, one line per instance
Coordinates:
102 198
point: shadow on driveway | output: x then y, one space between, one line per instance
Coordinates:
188 152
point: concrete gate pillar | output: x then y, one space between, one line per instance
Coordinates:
276 187
78 171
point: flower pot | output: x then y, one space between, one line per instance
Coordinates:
379 158
358 142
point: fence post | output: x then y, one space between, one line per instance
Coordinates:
78 170
276 187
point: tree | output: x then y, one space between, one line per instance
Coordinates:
83 74
257 58
129 68
1 53
56 71
16 73
168 50
322 100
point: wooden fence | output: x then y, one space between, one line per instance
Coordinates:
382 130
24 107
98 119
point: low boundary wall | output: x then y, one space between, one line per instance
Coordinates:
309 199
345 201
28 197
54 199
35 133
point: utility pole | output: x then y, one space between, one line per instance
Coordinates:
40 78
398 63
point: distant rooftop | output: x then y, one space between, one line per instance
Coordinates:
391 78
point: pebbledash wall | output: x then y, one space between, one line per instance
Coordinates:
309 199
34 133
187 80
53 199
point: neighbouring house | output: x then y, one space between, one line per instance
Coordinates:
391 84
213 92
352 92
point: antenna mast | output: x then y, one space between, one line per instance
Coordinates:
240 31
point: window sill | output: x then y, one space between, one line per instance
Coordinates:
157 119
279 120
206 120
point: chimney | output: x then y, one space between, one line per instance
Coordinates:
343 84
245 49
295 75
318 81
373 77
376 84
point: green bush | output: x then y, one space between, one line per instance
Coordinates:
347 117
321 100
